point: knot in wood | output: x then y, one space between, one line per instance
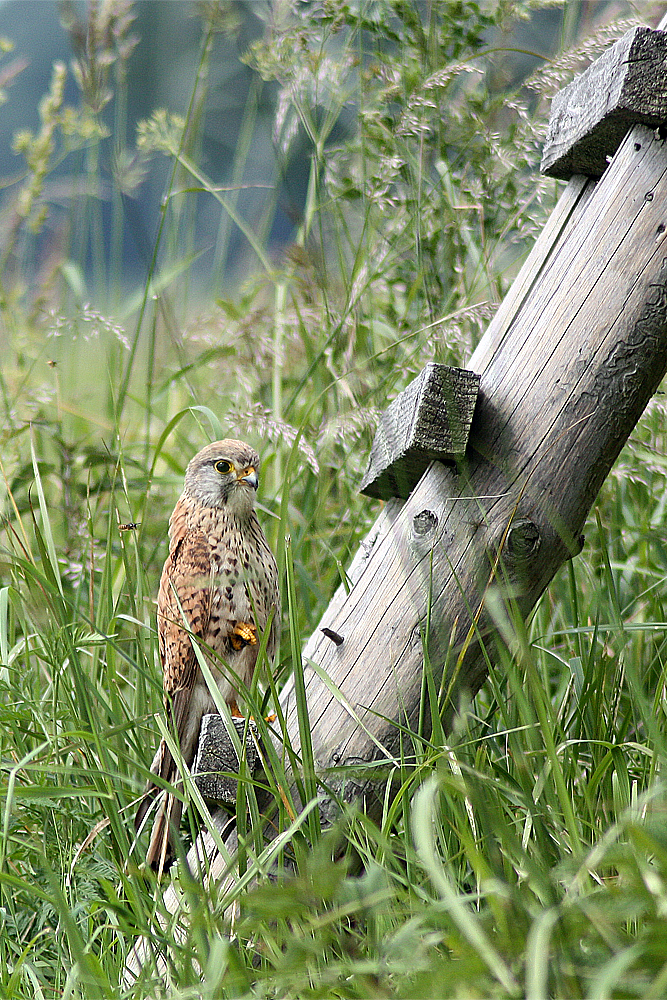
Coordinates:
416 639
424 522
523 540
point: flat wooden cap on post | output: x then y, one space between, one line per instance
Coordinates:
217 759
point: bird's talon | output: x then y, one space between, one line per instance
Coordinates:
243 634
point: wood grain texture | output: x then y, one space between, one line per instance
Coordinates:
626 86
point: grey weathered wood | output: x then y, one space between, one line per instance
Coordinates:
566 370
429 420
566 366
217 761
626 86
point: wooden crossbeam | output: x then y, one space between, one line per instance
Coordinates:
429 420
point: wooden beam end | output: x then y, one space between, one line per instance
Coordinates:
625 86
429 420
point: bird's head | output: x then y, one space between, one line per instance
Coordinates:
224 474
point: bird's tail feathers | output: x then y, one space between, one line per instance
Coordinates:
167 820
160 853
145 804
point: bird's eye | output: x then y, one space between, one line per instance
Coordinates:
223 467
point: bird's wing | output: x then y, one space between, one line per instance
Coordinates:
185 594
264 590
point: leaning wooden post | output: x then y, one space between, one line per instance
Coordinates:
566 368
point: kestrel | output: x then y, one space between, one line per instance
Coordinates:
221 578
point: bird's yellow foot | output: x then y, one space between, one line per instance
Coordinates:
238 714
243 634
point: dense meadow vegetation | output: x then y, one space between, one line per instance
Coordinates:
526 854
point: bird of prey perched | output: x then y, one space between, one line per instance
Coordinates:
221 578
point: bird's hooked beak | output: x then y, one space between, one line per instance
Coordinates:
249 476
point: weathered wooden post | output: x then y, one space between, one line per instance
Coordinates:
566 368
